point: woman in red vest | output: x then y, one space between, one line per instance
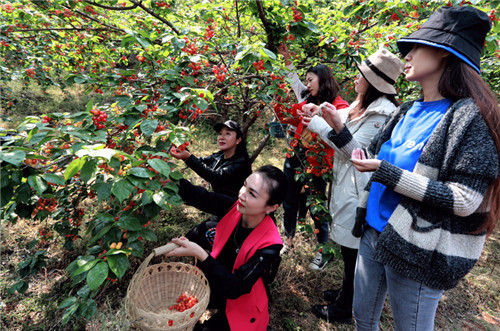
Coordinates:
245 254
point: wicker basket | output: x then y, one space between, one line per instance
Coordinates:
154 289
277 129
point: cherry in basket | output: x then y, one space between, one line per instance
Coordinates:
184 302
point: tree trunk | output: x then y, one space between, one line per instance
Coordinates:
259 148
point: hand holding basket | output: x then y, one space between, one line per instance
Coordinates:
154 290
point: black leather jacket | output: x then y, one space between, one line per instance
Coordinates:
225 175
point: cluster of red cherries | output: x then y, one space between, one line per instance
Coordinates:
99 118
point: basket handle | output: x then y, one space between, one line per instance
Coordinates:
165 249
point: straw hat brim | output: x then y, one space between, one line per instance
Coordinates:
376 81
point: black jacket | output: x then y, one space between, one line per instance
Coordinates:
225 176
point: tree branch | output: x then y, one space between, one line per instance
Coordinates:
63 29
110 7
94 19
367 27
238 18
259 148
270 39
152 13
234 81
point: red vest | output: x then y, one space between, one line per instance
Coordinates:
249 311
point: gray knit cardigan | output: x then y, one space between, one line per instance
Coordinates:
430 236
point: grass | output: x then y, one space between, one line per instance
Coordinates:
473 305
32 100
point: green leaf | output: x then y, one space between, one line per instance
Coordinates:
97 275
68 302
105 217
101 233
38 183
161 166
176 175
171 187
79 79
140 172
147 197
130 223
160 199
38 137
148 234
69 313
6 195
103 190
138 248
84 268
55 179
87 308
21 287
118 264
73 168
269 53
201 103
15 157
122 189
88 170
83 292
148 127
90 104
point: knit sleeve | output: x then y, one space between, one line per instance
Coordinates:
469 173
346 142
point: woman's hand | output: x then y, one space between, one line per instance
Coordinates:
306 120
187 248
309 110
331 115
361 163
180 154
283 49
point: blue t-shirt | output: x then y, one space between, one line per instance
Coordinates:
403 150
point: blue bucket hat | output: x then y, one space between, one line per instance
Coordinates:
458 30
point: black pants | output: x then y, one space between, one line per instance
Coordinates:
349 256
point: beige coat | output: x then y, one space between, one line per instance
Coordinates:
347 181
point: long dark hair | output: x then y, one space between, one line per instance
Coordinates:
371 94
328 86
277 184
459 81
241 148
